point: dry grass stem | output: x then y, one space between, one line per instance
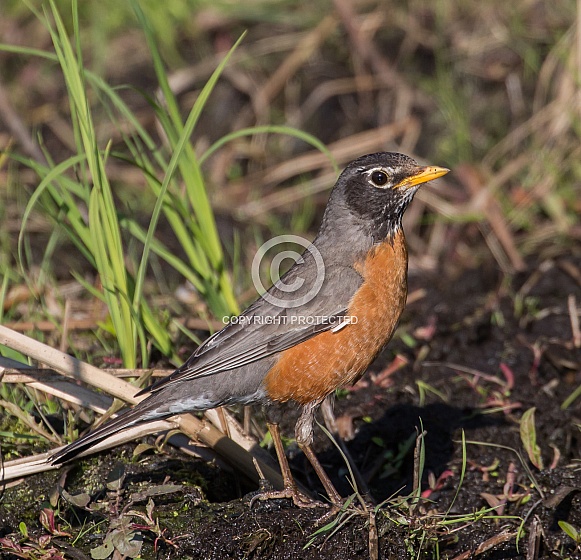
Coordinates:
95 377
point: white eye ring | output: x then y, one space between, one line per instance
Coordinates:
379 177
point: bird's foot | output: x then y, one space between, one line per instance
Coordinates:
292 493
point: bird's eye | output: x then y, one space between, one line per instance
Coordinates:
379 178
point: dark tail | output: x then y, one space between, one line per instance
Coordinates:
126 419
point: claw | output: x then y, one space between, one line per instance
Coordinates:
292 493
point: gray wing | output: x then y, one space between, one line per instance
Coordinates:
271 324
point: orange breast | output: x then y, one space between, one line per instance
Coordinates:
313 369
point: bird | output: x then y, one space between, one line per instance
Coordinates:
318 327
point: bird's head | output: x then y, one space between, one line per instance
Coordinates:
377 189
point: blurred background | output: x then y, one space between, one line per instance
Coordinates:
490 90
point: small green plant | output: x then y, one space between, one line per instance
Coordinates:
571 398
26 546
394 460
528 435
355 505
123 535
425 388
572 532
521 459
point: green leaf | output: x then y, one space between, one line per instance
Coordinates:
570 530
23 529
528 436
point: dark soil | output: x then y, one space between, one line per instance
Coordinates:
481 350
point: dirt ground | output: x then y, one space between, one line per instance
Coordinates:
475 352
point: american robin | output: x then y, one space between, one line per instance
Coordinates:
346 295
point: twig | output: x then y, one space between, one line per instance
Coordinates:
369 52
484 201
486 545
574 318
571 270
27 374
468 370
89 324
293 62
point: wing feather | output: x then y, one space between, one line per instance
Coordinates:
265 329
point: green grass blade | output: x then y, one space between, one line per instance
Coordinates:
270 129
184 158
103 223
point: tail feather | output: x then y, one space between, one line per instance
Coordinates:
126 419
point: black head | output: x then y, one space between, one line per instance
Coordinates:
377 189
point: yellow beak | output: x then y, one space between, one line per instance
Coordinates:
423 175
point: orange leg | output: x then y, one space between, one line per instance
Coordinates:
334 496
330 422
304 435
